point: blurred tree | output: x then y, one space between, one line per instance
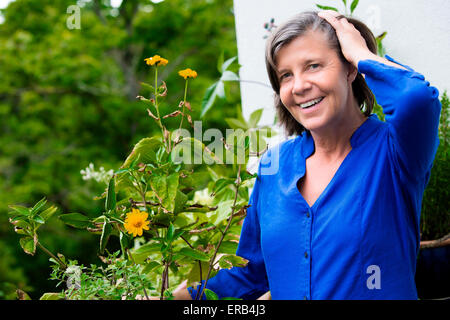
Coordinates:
68 98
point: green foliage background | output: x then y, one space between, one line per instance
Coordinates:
68 98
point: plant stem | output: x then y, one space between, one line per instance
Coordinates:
184 103
62 264
211 262
156 104
199 265
165 278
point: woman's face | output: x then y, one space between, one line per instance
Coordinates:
315 86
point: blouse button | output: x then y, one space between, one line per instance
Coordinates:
307 214
306 254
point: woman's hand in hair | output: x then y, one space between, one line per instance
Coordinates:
353 45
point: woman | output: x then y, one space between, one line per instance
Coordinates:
340 218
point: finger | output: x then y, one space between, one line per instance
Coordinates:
345 22
339 17
331 18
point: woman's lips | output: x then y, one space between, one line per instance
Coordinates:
312 108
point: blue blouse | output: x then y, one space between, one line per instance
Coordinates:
360 239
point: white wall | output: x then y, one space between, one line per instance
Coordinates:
418 35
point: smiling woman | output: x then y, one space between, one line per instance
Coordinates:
340 218
315 86
327 51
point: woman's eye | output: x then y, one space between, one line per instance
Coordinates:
284 76
314 66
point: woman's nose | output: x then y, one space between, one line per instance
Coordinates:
301 84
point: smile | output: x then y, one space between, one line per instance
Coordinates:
310 103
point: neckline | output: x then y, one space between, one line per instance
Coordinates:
307 148
364 130
313 207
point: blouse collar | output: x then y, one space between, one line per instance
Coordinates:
364 131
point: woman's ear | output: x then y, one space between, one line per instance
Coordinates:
352 72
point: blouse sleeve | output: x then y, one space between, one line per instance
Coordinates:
247 282
412 108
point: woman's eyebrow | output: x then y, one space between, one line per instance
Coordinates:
280 71
310 60
305 62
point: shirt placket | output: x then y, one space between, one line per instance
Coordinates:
307 253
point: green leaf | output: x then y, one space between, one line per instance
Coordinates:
148 248
196 254
76 220
173 267
227 63
106 232
145 149
38 219
111 195
229 76
236 123
353 5
170 233
255 117
229 247
228 261
23 211
148 87
220 61
159 185
194 275
51 296
381 36
222 183
172 188
149 267
178 233
28 245
48 213
180 201
211 295
216 90
223 211
142 253
245 175
326 8
121 171
21 226
124 242
38 206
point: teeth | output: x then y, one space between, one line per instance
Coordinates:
310 103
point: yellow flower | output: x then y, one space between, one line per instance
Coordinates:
136 221
156 60
187 73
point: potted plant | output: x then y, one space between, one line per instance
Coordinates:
433 261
